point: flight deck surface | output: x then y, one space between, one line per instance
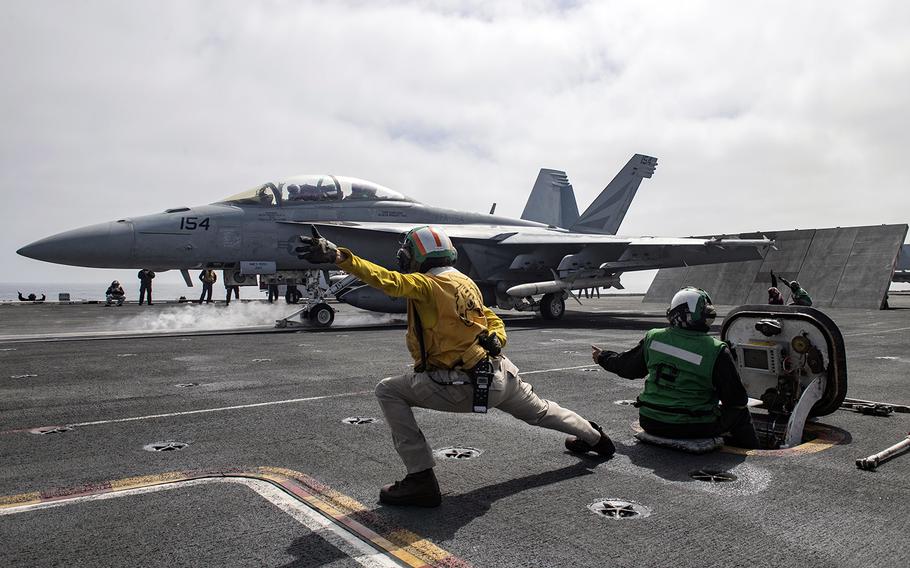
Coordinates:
282 463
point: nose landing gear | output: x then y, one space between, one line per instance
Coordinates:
311 314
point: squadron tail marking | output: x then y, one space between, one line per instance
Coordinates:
606 213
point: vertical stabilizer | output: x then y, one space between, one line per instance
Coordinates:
552 201
606 213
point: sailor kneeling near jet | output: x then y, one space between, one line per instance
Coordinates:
455 342
688 374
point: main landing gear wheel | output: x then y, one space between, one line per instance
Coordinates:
552 306
322 315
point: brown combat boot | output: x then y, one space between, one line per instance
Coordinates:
417 489
604 447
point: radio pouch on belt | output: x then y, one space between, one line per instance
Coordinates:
482 373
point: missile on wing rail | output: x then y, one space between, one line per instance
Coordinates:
550 286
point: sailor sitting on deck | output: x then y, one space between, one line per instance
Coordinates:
115 293
688 374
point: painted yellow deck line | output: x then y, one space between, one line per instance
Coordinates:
407 547
404 544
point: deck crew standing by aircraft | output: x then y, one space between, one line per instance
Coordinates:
456 344
145 277
208 278
230 289
688 374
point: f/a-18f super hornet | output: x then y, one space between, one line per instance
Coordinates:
532 263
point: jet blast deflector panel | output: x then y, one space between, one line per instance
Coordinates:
843 267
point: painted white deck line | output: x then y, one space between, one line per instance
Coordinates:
348 543
253 405
218 409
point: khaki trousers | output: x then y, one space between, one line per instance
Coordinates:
397 395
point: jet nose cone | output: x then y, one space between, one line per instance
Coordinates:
107 245
28 250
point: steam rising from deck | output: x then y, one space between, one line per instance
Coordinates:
238 315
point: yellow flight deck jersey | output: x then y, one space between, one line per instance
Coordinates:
450 335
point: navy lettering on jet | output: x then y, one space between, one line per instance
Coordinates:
193 223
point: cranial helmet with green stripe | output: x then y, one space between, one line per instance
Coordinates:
691 308
424 248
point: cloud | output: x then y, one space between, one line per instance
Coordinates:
764 115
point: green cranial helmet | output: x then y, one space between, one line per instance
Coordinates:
691 308
424 248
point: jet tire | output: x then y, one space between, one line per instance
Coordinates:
552 306
322 315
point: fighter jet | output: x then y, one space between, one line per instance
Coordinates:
518 263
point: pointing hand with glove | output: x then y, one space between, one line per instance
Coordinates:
317 249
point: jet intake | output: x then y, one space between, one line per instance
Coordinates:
551 286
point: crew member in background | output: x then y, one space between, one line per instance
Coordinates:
208 278
456 343
145 285
32 298
775 298
115 293
799 298
688 373
292 294
273 291
230 289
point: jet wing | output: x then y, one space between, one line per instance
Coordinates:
516 235
503 251
650 253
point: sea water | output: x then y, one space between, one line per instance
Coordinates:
79 292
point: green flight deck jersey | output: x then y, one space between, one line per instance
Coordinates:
801 298
679 388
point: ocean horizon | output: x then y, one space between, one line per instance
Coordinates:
87 291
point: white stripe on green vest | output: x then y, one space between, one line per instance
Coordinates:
674 351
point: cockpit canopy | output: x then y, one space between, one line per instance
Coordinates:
309 189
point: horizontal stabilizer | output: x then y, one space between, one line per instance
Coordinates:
605 214
552 200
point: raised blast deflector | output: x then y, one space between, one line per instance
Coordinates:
842 267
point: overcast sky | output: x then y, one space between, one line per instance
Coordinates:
764 115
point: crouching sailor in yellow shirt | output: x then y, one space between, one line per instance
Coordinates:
456 343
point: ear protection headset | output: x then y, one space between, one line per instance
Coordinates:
404 256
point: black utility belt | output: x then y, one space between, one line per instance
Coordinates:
481 377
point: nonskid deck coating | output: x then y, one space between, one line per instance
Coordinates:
524 501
